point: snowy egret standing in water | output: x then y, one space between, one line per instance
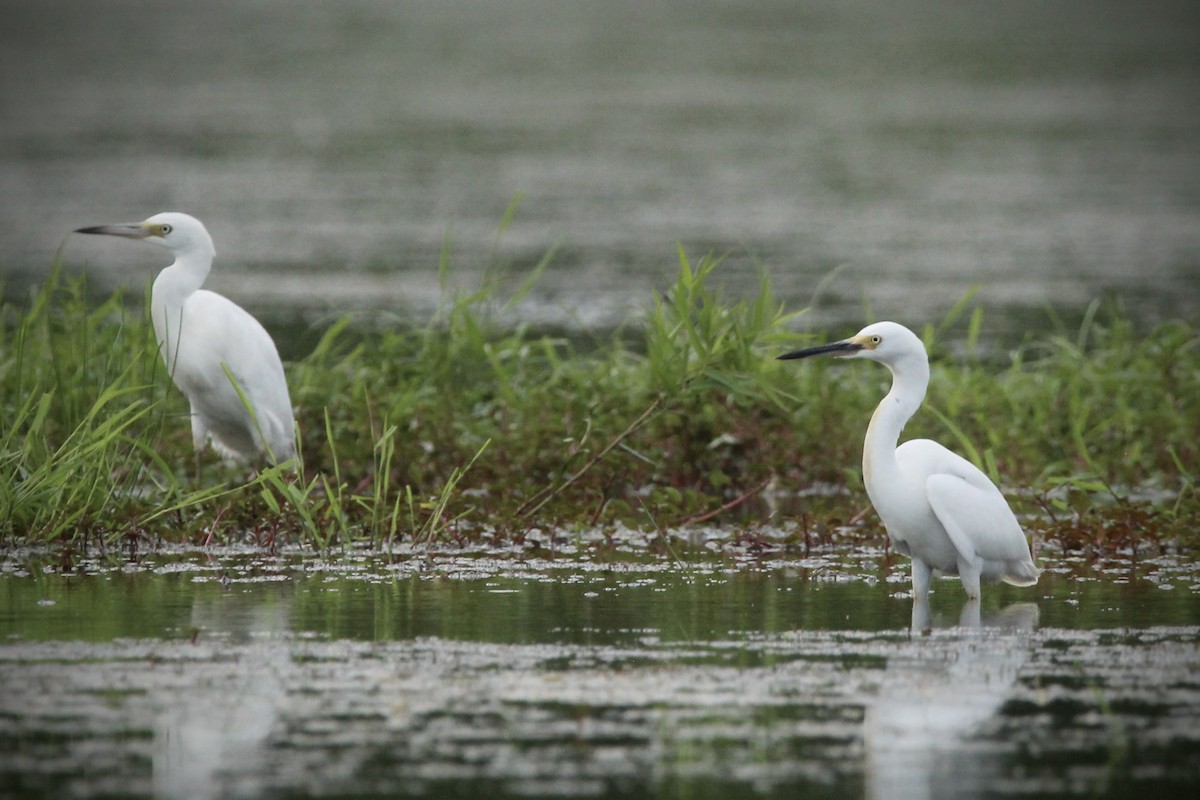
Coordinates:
938 508
209 343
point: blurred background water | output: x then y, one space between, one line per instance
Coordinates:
1047 153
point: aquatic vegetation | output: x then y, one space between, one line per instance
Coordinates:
463 427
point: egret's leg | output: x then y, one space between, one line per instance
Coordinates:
921 575
969 574
921 622
969 617
199 429
199 432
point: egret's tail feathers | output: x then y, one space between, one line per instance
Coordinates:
1021 573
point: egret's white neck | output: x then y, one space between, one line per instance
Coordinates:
910 379
175 283
173 286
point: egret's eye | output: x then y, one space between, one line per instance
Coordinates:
164 229
876 339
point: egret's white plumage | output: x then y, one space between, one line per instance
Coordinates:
209 343
938 508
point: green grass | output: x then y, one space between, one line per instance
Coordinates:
461 429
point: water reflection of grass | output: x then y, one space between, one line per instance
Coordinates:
461 429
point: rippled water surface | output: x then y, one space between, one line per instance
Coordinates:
1043 151
591 671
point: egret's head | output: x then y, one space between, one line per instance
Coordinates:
885 342
180 233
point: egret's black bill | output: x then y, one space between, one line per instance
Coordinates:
127 230
844 346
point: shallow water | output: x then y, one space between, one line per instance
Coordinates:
594 670
1045 152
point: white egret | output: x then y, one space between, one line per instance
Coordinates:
939 509
213 348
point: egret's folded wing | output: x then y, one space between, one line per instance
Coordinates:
976 517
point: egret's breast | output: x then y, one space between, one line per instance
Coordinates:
903 506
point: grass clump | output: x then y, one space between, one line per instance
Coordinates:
76 398
462 429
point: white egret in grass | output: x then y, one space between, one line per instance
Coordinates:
939 509
219 356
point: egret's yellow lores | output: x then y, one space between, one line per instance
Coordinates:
939 509
209 343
